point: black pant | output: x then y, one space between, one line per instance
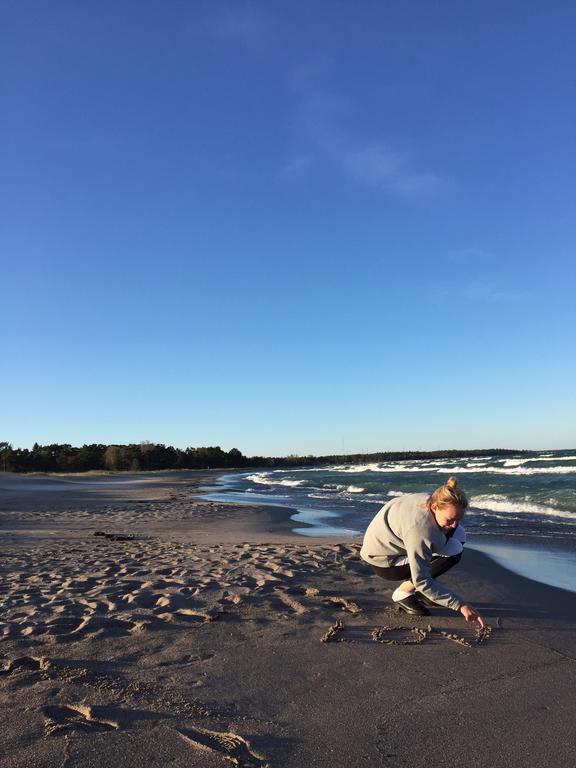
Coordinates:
438 566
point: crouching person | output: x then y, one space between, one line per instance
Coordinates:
415 538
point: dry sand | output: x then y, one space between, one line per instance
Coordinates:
198 642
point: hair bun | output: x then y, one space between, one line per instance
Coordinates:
448 494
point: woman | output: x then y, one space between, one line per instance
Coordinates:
414 539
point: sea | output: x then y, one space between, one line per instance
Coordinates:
522 507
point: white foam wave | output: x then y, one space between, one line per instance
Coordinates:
354 489
430 468
501 503
353 469
260 479
264 479
520 462
514 466
383 468
519 470
396 493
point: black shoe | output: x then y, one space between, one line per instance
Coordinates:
412 605
426 600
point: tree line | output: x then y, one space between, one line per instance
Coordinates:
147 456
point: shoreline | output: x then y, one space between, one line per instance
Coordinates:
155 492
155 495
551 559
197 641
36 509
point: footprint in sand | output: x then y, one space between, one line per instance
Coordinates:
231 746
290 602
62 626
189 614
106 624
26 664
310 591
79 717
347 605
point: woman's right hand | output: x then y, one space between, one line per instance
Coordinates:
471 615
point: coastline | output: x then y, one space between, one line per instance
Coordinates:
548 560
543 560
197 642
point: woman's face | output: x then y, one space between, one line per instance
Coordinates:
447 516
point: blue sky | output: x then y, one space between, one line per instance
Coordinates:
288 227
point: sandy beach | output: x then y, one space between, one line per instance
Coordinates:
144 626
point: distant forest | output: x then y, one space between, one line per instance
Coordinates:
147 456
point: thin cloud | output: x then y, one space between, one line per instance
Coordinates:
416 184
297 166
320 125
472 254
374 163
318 120
241 25
492 294
475 293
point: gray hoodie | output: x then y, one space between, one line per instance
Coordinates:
405 527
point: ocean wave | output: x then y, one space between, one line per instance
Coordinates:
383 469
502 503
520 462
264 479
396 493
562 458
260 479
352 469
560 470
354 489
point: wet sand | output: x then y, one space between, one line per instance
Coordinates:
191 633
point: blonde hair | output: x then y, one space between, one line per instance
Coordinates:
449 493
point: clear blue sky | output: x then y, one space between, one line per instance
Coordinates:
288 227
